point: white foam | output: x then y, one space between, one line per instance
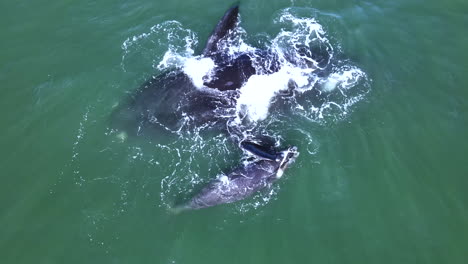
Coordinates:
168 35
344 79
224 179
257 94
197 68
170 59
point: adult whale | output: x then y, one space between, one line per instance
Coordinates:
171 102
241 182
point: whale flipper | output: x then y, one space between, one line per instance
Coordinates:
227 23
260 150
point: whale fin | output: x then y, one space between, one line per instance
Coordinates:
227 23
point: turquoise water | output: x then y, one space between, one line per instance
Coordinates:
385 182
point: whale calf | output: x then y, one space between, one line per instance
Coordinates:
241 182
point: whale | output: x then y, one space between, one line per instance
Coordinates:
241 182
170 102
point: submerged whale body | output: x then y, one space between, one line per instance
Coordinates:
169 102
241 182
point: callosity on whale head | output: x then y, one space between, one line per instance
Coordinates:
288 157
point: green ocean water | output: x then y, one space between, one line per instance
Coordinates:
387 183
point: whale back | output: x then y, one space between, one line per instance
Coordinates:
231 74
237 185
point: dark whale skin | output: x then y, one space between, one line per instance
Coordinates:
237 185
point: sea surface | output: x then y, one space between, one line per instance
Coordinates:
382 175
